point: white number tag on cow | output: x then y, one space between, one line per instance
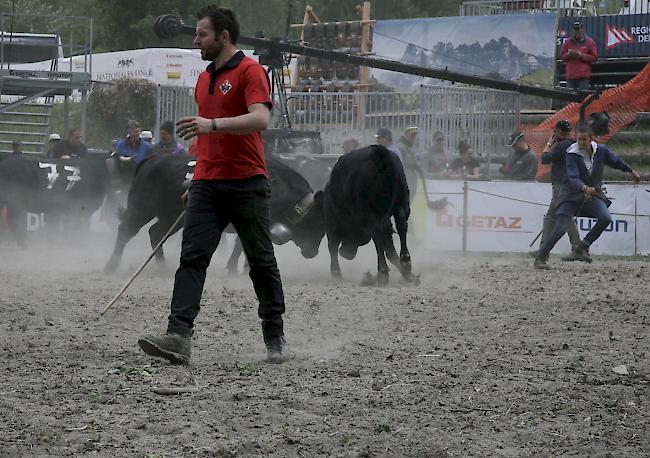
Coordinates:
72 179
52 175
190 175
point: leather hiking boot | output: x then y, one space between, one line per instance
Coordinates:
579 253
540 263
276 349
173 347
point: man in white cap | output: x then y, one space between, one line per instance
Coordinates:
146 136
52 143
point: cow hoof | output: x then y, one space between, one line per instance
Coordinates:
348 252
336 273
367 280
382 278
232 271
111 266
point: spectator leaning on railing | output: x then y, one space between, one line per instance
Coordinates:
521 165
578 53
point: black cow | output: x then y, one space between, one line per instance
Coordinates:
366 188
160 181
59 188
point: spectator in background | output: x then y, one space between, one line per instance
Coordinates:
52 142
436 158
521 165
72 146
167 143
466 166
146 136
385 138
349 145
406 145
578 53
132 148
17 148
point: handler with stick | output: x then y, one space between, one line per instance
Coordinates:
230 185
581 194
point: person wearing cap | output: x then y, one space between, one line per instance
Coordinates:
521 165
555 154
578 53
581 194
406 145
52 142
385 138
436 156
71 146
132 149
17 148
168 143
147 136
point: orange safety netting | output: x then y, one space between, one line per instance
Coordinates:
622 103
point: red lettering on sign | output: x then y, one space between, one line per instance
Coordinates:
515 222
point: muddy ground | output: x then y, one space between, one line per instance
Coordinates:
486 357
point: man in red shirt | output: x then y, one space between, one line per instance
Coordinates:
578 53
230 186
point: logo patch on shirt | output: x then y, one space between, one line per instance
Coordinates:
225 87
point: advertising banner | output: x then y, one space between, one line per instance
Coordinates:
511 47
166 66
507 216
643 220
623 35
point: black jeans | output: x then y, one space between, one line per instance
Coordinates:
211 206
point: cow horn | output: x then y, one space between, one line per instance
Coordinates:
280 233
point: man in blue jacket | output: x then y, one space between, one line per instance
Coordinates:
581 195
555 153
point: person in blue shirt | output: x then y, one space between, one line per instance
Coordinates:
132 148
385 138
581 194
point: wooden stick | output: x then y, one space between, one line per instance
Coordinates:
137 272
176 390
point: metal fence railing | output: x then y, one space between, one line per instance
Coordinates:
561 7
484 118
481 117
172 103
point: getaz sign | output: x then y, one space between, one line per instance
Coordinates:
496 223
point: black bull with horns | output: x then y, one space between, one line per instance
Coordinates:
156 193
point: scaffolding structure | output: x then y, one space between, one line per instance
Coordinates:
27 95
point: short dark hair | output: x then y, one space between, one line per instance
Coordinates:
72 131
583 128
221 19
463 147
168 126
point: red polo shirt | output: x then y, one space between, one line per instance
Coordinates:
225 93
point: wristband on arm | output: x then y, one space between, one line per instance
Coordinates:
214 125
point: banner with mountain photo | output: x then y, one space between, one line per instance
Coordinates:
517 47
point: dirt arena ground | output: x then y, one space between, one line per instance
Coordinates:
486 357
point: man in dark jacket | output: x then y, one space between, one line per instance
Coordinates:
581 195
555 153
168 143
522 163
